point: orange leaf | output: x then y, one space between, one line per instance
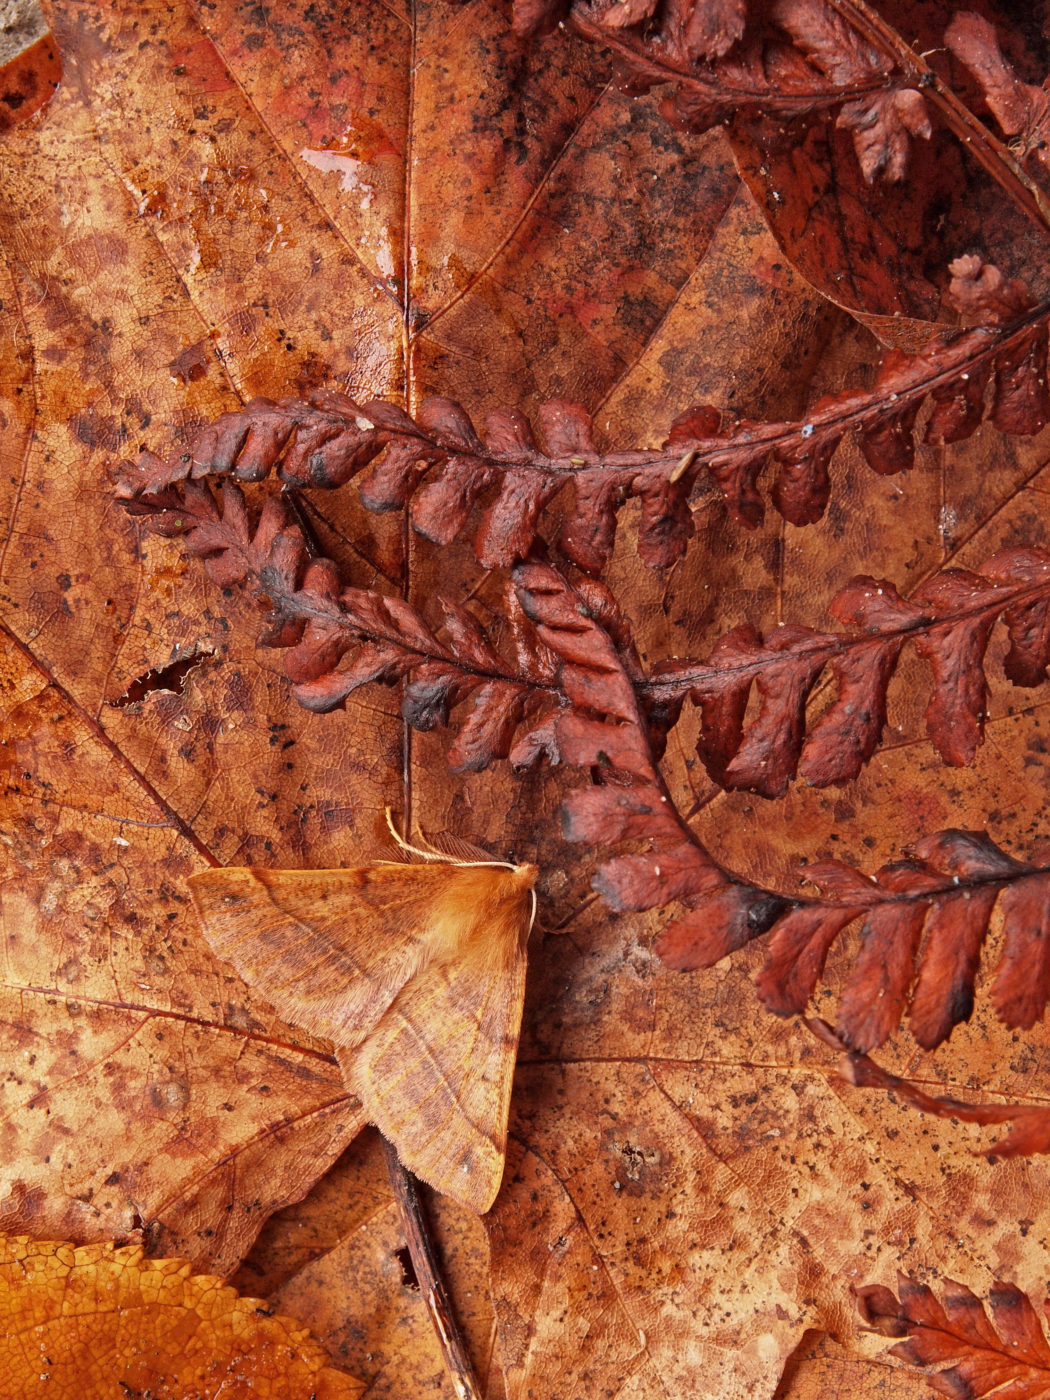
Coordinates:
96 1321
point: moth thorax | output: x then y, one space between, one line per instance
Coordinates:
484 907
523 877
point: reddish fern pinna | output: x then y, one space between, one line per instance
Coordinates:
440 468
567 685
340 639
998 1350
574 692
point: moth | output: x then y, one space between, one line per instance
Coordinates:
416 973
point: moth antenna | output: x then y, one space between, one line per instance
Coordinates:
438 853
431 855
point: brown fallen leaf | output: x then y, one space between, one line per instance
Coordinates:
179 1106
94 1321
150 1098
394 205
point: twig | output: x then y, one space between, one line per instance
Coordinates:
428 1275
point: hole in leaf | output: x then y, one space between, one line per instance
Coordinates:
408 1273
171 677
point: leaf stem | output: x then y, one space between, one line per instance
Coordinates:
429 1276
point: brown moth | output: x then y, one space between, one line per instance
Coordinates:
416 973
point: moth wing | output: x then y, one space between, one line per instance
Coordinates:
330 948
435 1074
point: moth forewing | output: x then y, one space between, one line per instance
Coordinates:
416 973
435 1074
320 944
